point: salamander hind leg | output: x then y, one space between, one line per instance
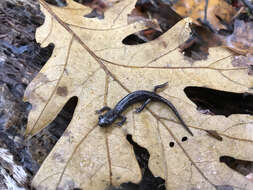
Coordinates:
160 86
123 120
105 108
138 110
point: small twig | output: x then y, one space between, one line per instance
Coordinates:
249 5
205 16
205 22
238 13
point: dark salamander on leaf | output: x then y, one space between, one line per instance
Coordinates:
137 96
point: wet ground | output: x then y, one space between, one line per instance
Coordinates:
21 58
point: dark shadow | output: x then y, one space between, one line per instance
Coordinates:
148 181
243 167
58 3
141 37
217 102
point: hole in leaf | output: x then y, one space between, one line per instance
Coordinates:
98 7
172 144
184 139
141 37
148 180
48 137
58 3
157 16
243 167
217 102
133 39
95 14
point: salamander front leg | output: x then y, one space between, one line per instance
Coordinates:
160 86
123 120
105 108
138 110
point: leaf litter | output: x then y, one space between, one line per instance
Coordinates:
215 23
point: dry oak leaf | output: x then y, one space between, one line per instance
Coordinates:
241 41
216 10
89 61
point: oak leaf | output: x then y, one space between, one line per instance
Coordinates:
241 40
218 12
91 62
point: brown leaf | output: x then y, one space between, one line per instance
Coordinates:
241 41
217 10
158 17
200 41
98 7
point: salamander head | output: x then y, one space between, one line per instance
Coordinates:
107 119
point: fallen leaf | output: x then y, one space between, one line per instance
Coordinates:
91 62
156 15
241 41
198 44
98 7
217 11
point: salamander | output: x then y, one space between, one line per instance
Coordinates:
111 115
